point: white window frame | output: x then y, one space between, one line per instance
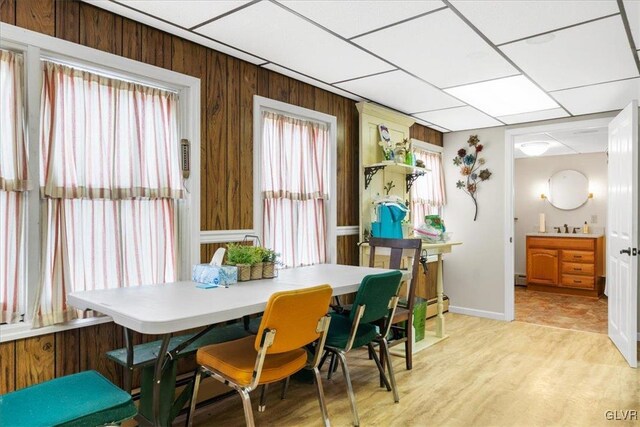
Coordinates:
35 47
261 104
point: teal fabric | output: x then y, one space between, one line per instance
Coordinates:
83 399
374 293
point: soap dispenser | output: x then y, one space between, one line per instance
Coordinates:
585 228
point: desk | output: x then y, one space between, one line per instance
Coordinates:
172 307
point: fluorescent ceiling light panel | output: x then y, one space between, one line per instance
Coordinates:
459 118
350 18
269 31
187 13
504 21
533 116
439 48
592 53
598 98
501 97
400 91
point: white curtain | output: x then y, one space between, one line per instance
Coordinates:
427 192
13 186
110 178
295 183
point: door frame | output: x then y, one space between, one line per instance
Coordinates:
509 168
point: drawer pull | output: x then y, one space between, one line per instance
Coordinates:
577 256
577 281
577 269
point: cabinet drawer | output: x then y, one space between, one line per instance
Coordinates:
578 256
577 268
581 282
577 243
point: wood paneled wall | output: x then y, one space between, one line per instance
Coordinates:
227 88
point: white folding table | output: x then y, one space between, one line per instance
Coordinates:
172 307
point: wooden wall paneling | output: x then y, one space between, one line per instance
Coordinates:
8 11
342 161
425 134
207 251
68 20
132 43
263 82
100 29
214 147
95 341
321 100
278 87
248 87
152 49
35 360
348 250
36 15
235 158
306 94
7 367
67 360
354 168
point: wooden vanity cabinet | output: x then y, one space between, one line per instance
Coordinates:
569 265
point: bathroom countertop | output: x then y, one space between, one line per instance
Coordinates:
555 234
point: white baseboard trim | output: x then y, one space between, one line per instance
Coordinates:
347 230
223 236
478 313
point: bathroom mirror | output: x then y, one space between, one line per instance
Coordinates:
568 189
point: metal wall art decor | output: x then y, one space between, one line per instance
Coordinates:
470 162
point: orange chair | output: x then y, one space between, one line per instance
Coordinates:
291 321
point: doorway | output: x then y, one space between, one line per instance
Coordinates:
558 270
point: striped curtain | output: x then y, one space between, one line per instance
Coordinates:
110 179
427 192
13 186
295 183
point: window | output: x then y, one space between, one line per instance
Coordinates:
106 204
296 183
13 183
427 193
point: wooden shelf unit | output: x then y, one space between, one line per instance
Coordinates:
568 265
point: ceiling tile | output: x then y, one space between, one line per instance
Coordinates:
504 21
313 82
593 140
185 13
172 29
439 48
534 116
591 53
400 91
269 31
350 18
632 8
598 98
500 97
430 125
459 118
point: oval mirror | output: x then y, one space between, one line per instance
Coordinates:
568 189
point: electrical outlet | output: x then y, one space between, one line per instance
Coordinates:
594 219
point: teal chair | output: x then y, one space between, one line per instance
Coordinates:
368 322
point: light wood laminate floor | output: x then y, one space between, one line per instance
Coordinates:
488 373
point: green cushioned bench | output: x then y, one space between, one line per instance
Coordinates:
145 355
83 399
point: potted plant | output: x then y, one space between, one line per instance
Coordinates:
242 256
256 261
269 259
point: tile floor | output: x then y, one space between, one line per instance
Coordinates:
562 311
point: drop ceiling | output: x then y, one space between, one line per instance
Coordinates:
452 65
563 142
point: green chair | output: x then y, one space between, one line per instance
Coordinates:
366 323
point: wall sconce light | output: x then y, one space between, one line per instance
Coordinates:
591 195
543 196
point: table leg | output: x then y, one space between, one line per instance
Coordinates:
157 375
128 371
440 294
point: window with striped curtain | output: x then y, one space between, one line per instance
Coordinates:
427 193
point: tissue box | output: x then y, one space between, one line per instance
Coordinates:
215 275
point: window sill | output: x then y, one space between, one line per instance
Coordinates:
23 329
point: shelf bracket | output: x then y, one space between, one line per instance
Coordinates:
411 177
369 172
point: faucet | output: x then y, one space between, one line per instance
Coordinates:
558 228
575 230
566 229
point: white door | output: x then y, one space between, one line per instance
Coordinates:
622 232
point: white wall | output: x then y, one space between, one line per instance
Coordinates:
474 271
530 179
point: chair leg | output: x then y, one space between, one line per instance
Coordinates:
382 362
383 377
392 376
285 386
194 395
263 397
408 345
352 396
332 366
323 359
246 405
323 405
